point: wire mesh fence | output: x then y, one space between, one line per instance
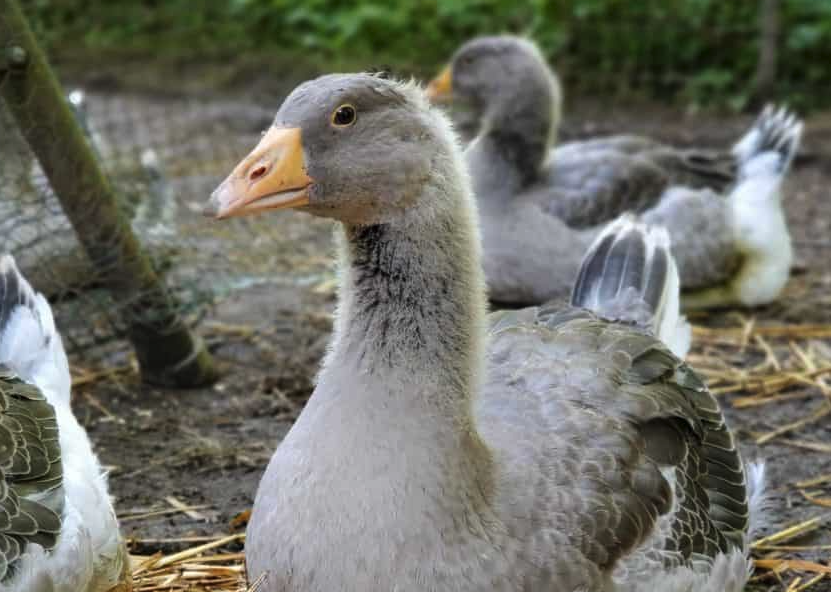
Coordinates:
163 157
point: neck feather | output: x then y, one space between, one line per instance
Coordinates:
518 129
412 304
408 350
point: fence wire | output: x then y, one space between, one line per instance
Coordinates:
163 157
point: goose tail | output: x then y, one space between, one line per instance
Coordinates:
629 274
770 145
765 156
30 345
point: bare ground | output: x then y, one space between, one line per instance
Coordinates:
208 447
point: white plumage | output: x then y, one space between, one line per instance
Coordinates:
89 555
760 229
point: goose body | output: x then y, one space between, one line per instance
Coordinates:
442 449
58 530
590 182
723 210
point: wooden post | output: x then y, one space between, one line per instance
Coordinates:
167 352
765 79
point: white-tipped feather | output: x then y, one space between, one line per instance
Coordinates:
748 143
672 328
617 288
771 131
760 229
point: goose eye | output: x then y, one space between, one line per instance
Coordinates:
344 116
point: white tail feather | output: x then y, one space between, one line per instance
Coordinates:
674 330
775 130
760 226
629 274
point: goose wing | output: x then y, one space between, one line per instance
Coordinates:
629 143
696 168
31 477
590 187
616 447
598 180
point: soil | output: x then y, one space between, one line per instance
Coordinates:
208 447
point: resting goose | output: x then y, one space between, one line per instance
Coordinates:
723 211
58 530
535 450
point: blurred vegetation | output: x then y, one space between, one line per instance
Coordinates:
697 51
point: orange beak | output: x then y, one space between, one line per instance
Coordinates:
272 177
441 87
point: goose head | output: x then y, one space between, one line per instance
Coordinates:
357 148
374 155
495 76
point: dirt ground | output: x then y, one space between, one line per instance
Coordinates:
207 448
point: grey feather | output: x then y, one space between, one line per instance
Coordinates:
30 469
629 275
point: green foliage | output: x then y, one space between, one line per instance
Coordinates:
698 51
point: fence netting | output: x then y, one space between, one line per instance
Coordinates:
163 157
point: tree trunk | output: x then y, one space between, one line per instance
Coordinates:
167 352
764 81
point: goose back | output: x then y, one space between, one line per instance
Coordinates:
702 226
588 183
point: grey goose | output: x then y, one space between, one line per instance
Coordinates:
444 449
540 202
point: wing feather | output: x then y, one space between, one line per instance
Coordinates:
30 471
637 464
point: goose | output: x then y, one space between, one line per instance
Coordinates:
513 94
724 211
541 449
58 529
